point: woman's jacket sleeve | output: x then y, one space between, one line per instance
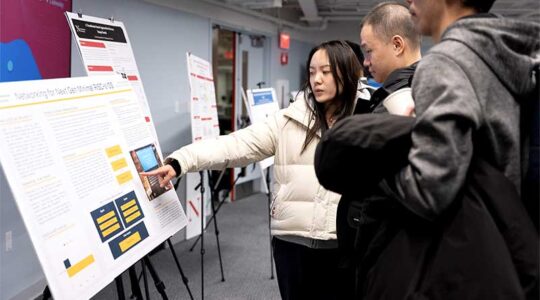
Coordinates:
240 148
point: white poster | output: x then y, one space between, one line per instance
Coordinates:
204 125
71 151
262 103
105 49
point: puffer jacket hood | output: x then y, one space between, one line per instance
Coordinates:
510 47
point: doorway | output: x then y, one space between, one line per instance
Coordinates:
238 64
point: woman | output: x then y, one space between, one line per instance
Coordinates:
303 213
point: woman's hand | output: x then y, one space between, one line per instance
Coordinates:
164 174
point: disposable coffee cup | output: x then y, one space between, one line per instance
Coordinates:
400 102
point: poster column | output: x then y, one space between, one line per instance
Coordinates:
261 104
105 49
204 125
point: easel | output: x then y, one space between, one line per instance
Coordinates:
269 194
201 188
216 210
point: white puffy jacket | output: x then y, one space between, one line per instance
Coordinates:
301 206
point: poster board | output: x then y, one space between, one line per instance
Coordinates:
204 125
105 49
261 104
72 149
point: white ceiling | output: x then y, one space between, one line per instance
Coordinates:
319 13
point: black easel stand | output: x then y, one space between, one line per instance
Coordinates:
269 194
46 293
184 278
173 252
135 288
160 286
215 211
145 281
201 187
120 287
214 197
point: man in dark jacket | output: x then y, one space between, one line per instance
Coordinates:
392 50
472 93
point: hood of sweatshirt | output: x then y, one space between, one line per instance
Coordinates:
510 47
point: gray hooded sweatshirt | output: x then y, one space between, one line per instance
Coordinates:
467 91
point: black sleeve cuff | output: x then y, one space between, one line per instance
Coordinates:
174 163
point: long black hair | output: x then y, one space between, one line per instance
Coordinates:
346 71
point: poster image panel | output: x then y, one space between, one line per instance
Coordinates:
105 49
204 125
146 159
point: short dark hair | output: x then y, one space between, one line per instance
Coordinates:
480 6
392 18
358 52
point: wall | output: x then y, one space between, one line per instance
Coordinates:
293 71
160 38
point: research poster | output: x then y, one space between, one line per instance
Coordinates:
105 49
204 125
262 103
71 151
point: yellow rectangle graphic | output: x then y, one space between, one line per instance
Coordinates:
113 151
130 241
119 164
128 205
124 177
108 224
130 211
111 230
133 217
105 217
76 268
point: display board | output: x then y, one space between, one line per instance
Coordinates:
262 103
204 125
71 151
105 49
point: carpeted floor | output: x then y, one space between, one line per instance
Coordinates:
245 251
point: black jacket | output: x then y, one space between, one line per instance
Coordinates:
351 212
483 247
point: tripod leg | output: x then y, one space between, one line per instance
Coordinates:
202 233
160 286
135 288
145 280
47 293
216 229
195 243
217 240
120 287
184 278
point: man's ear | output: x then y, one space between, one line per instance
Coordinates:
398 44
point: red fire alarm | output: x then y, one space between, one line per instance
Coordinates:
284 58
284 40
